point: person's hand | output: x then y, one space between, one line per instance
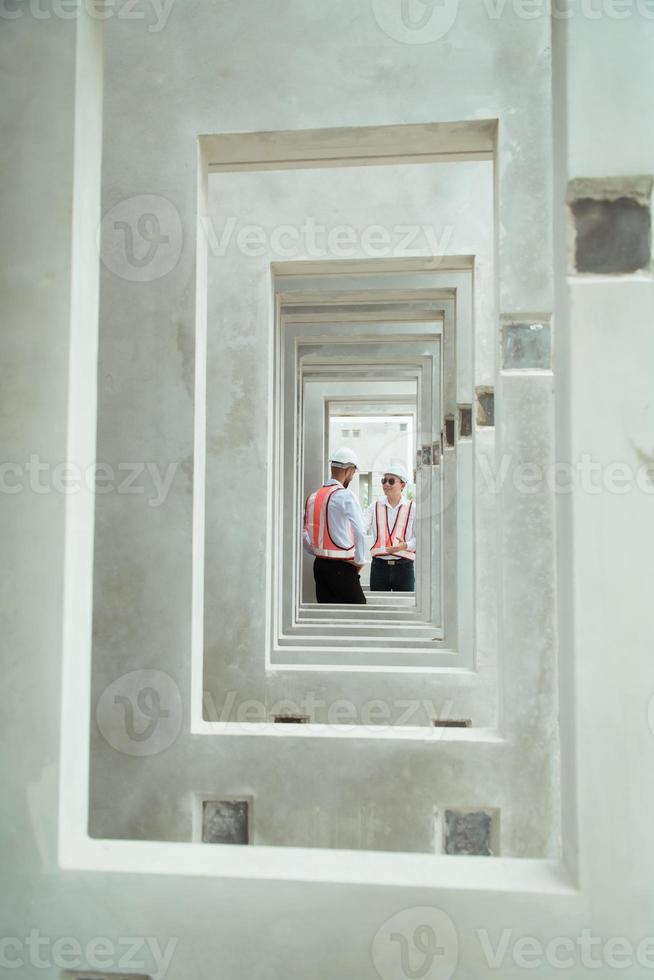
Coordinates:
358 568
400 546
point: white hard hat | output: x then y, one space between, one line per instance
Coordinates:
398 469
344 457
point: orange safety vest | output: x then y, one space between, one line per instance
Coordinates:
385 539
316 523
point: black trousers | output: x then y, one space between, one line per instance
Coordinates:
398 577
337 581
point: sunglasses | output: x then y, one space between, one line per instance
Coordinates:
388 479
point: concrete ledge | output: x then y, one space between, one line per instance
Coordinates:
448 873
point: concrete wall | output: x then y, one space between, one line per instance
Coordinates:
143 553
274 929
604 342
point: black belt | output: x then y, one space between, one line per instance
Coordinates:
393 561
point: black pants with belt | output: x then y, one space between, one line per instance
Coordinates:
397 575
337 581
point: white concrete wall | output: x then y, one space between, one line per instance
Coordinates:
143 560
274 929
35 259
605 349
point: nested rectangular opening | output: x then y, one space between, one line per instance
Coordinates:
371 360
354 295
382 432
236 593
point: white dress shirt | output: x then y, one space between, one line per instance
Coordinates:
370 523
344 511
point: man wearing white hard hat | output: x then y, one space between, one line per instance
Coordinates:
333 533
391 522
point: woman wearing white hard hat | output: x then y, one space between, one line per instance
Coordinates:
333 533
391 522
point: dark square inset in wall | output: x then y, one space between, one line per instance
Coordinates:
526 345
225 822
449 430
612 236
465 421
485 406
468 832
